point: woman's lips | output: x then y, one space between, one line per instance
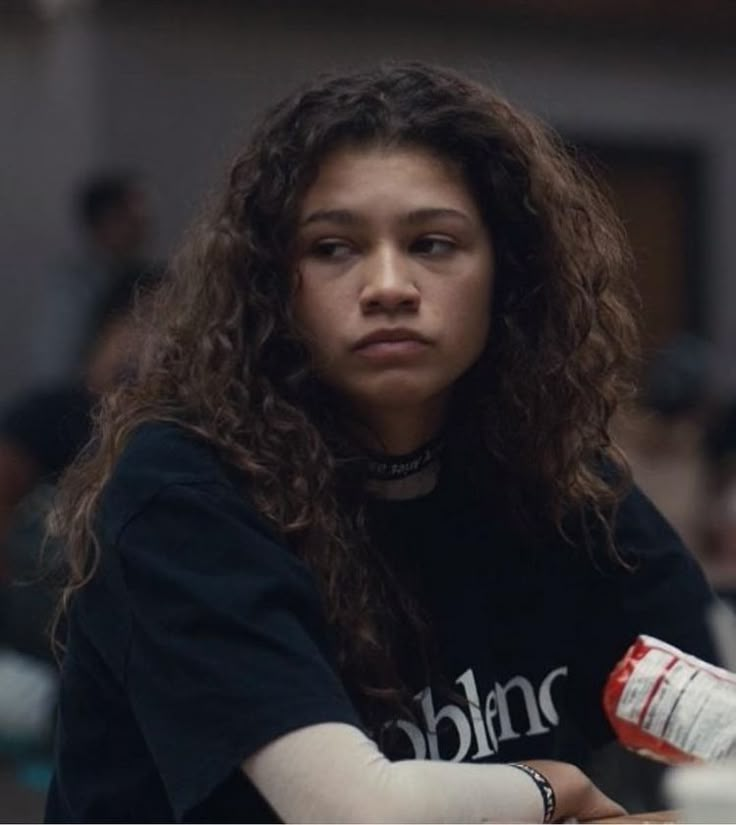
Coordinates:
386 350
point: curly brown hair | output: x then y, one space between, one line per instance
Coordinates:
225 360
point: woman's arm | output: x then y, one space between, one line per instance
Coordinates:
334 773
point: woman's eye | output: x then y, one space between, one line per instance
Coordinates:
433 246
331 250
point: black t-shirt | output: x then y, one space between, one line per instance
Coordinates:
202 637
50 426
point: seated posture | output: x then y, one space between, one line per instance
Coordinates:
355 544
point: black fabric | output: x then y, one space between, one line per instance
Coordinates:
202 637
529 630
50 426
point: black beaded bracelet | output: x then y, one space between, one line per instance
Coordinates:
541 781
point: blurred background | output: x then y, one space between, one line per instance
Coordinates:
118 115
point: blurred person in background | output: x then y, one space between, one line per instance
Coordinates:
113 212
40 434
42 431
662 436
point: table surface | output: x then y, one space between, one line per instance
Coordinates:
653 816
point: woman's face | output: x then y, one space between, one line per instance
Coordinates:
394 271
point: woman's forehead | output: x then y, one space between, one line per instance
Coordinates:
413 177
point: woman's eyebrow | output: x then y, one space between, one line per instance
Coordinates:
341 216
432 213
345 217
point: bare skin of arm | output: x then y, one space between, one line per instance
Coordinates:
334 773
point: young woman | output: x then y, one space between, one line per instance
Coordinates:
353 533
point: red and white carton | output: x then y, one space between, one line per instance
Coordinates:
671 706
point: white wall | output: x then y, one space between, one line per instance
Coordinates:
174 84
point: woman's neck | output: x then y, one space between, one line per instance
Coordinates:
404 476
402 447
399 431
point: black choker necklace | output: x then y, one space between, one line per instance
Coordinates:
390 468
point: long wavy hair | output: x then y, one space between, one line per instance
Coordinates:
225 360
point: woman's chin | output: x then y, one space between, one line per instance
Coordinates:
398 395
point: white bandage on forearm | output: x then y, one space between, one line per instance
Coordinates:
334 773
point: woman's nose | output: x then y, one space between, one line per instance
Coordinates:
388 283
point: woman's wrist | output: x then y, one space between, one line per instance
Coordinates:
570 785
575 795
544 786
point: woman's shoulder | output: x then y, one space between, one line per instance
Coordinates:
169 452
158 455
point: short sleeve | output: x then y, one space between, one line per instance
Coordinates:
660 591
229 648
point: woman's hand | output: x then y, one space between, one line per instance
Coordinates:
576 796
